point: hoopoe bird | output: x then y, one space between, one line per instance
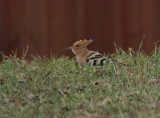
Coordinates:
83 55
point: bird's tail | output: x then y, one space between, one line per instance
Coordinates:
113 60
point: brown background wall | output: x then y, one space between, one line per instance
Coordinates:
51 25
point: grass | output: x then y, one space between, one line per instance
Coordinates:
50 87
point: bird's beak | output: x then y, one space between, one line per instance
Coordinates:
69 48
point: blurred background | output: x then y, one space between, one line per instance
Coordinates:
47 26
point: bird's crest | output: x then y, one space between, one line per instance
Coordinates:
80 44
84 42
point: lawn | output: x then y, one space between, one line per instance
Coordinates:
58 87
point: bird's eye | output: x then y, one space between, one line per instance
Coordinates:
77 46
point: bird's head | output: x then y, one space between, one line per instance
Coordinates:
79 46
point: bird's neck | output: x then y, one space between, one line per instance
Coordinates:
81 56
82 53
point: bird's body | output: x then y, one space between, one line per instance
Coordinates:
90 57
83 55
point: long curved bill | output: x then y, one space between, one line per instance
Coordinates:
69 48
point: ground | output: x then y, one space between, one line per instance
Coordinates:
58 87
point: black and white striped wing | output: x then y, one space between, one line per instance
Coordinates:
96 59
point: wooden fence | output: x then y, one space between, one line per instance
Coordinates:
47 26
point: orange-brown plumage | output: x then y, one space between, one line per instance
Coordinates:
83 55
80 50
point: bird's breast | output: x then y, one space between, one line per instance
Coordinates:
81 61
